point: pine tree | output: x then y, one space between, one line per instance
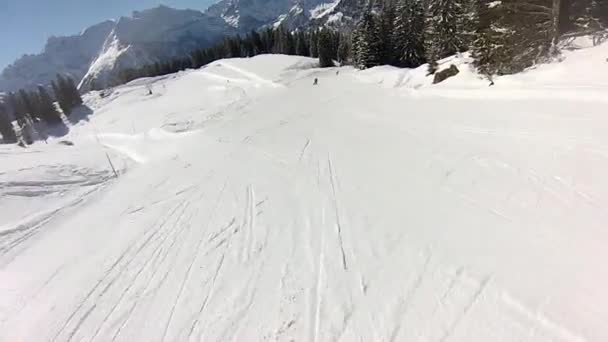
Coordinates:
325 49
490 51
386 28
314 44
366 42
409 33
531 29
24 122
302 48
444 31
6 126
60 96
29 102
514 34
258 45
47 108
284 42
248 47
469 22
599 11
268 40
74 94
586 16
344 50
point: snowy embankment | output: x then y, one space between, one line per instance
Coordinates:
251 206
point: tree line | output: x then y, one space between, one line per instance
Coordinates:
324 44
504 36
25 114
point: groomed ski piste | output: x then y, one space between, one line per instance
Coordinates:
250 205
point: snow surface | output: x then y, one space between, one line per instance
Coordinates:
251 205
322 10
105 61
232 20
279 21
334 18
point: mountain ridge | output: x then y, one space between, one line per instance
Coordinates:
101 50
94 57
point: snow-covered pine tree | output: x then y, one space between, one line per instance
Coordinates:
408 36
490 51
532 30
514 34
444 30
469 23
355 45
367 49
26 130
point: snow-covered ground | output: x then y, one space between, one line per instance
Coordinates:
253 206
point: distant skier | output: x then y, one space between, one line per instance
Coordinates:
315 82
337 72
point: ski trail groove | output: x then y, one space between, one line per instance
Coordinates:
304 150
476 296
319 284
453 283
337 211
409 295
147 288
208 296
161 221
155 255
249 225
189 269
80 322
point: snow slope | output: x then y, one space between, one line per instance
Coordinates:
253 206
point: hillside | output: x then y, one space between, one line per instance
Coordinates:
251 205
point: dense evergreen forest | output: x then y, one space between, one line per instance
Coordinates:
34 110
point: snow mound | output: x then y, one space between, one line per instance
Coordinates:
580 74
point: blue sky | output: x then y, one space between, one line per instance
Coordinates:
25 25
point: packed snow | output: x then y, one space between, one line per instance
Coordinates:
250 205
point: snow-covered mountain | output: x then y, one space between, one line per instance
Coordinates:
252 14
98 53
66 55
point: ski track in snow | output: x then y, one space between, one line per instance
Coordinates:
251 206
